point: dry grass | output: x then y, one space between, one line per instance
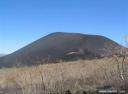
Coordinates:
84 75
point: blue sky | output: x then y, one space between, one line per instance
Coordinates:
24 21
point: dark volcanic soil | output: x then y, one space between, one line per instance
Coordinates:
62 46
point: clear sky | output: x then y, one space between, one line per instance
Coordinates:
23 21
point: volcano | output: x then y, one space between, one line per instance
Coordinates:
62 46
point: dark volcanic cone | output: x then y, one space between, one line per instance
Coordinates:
62 46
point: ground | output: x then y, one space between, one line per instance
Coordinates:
81 75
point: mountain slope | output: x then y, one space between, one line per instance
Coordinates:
62 46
